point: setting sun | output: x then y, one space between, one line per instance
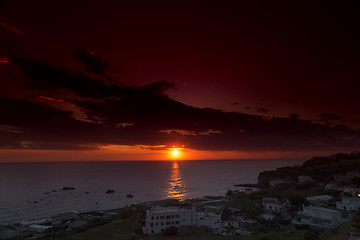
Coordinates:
175 152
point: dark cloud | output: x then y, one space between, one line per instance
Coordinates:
92 63
263 110
160 87
235 103
143 115
329 117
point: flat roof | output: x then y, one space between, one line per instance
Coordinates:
322 209
168 210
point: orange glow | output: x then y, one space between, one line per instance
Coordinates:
140 152
51 99
175 152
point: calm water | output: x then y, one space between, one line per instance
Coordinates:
22 185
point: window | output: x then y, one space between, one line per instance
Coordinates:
177 222
152 218
161 217
156 224
151 224
152 231
157 217
162 223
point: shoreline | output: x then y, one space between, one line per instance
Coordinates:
173 201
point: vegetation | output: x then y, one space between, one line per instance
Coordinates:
170 231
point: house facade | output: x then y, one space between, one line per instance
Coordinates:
272 204
349 204
318 217
212 221
160 218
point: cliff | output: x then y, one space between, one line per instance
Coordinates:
337 167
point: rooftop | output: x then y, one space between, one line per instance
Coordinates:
321 209
168 210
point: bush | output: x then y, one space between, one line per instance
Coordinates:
170 231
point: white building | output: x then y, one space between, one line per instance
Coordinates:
268 216
272 204
211 221
318 217
304 178
319 200
160 218
276 182
349 203
248 190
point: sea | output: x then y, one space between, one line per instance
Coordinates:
35 190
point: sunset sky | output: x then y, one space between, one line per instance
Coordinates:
132 80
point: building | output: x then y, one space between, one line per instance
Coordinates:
304 178
354 236
212 221
319 200
276 182
267 216
160 218
318 217
272 204
353 191
248 190
349 204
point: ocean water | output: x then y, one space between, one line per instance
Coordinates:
34 190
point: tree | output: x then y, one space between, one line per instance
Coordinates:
229 193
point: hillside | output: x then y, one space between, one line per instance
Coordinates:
337 167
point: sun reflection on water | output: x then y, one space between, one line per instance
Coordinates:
176 188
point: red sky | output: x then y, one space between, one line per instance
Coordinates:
84 76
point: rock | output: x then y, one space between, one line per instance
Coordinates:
86 192
53 190
129 196
46 193
68 188
109 191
